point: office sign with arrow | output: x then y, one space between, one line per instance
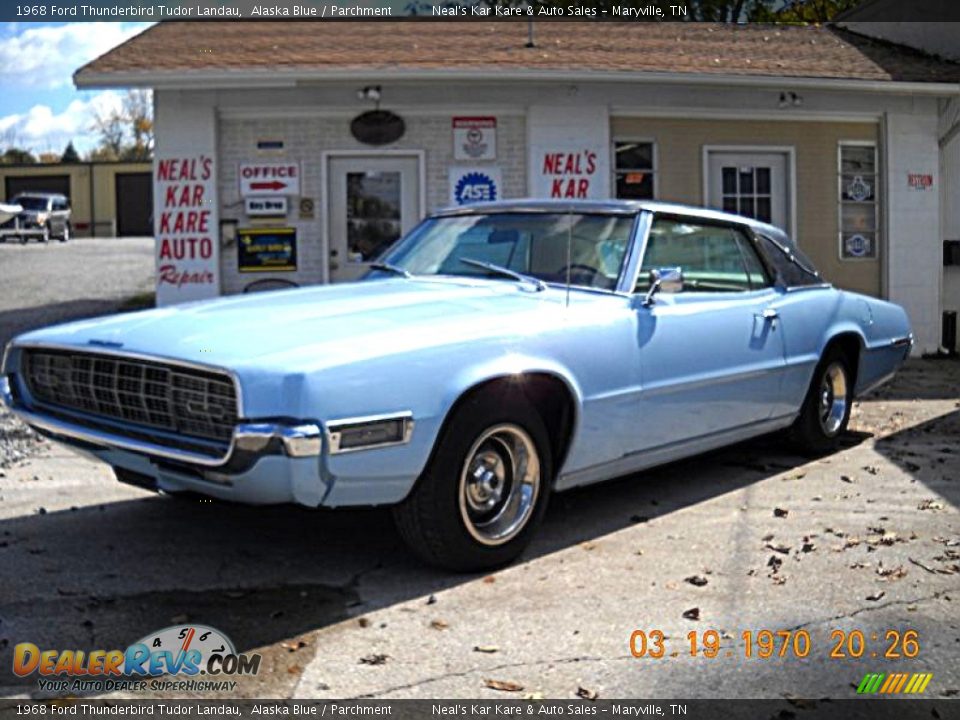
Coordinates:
269 178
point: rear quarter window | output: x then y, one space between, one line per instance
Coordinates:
793 269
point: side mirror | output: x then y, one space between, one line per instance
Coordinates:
668 280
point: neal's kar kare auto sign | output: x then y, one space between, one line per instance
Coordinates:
568 173
185 228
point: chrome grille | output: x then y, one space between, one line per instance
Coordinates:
183 400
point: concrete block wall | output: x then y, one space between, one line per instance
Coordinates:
307 138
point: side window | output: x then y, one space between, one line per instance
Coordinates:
792 274
714 258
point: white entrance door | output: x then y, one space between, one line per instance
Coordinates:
752 184
372 202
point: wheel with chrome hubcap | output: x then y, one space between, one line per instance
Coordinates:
826 409
485 489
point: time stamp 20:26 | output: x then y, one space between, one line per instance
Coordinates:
843 644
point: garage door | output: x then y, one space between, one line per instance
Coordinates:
38 183
134 204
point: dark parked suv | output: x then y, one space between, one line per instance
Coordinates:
44 216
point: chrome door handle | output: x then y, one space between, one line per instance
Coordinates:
769 314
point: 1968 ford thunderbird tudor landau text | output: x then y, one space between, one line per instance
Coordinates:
492 356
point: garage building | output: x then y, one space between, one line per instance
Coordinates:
108 199
291 153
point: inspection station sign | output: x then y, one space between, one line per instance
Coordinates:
269 178
475 138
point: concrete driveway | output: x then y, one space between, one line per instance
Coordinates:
746 539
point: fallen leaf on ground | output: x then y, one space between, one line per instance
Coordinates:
587 693
930 504
780 512
363 622
375 659
698 580
780 548
439 624
293 645
489 579
876 596
846 478
294 669
503 685
488 649
692 613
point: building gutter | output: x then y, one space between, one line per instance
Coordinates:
273 77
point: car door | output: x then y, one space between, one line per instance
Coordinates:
712 355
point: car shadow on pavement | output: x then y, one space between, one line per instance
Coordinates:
929 454
103 576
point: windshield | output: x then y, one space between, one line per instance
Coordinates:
31 202
534 244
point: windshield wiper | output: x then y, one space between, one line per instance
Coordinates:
505 272
391 268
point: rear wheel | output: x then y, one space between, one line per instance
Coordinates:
486 488
826 409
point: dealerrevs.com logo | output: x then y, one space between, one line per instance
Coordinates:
177 658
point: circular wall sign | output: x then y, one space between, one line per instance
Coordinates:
377 127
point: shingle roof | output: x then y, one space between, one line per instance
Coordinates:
179 48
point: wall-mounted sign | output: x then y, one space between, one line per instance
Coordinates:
266 206
858 246
267 249
475 138
269 178
306 208
377 127
473 185
567 173
920 182
185 224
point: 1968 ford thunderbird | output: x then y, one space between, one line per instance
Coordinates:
492 356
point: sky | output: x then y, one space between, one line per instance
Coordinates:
39 107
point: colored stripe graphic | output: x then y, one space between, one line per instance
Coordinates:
894 683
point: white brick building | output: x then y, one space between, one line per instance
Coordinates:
834 136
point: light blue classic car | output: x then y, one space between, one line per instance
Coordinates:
494 355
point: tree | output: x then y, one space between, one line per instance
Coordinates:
126 133
70 154
17 156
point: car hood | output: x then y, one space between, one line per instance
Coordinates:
311 328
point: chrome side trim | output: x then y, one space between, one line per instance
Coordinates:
158 359
297 441
332 430
905 341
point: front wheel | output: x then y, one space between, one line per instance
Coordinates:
486 488
65 236
826 409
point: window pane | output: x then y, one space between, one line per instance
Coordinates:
858 188
763 181
729 181
635 185
708 255
858 245
746 181
634 156
746 207
764 211
730 204
858 218
373 213
858 159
